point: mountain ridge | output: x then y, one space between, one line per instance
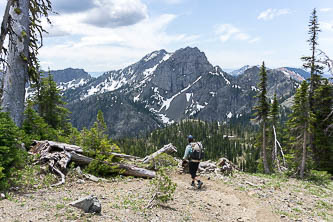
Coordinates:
170 87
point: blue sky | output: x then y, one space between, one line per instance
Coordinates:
102 35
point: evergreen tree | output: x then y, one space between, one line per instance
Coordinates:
262 110
50 105
11 156
35 126
313 64
323 154
299 124
96 144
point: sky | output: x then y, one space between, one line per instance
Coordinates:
104 35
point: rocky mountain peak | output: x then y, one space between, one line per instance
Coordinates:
67 75
240 71
164 87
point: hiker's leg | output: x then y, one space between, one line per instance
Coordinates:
192 171
197 177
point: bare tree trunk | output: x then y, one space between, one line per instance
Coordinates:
16 74
302 167
266 168
276 158
5 24
169 148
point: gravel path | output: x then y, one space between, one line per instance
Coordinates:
239 198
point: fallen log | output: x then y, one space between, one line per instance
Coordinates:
125 156
59 155
169 148
37 145
125 169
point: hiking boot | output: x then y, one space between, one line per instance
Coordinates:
192 184
200 184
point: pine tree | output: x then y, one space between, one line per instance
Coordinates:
299 124
262 110
313 64
50 105
96 144
11 156
323 154
35 126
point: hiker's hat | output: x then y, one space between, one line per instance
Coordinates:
190 137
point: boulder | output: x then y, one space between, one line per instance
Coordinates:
89 204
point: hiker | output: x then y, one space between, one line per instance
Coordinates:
193 158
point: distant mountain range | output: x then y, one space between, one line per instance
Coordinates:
165 87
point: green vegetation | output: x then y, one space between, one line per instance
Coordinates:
32 176
11 155
233 141
162 188
96 144
161 161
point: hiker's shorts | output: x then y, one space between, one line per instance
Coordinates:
193 167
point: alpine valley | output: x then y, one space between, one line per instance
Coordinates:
164 87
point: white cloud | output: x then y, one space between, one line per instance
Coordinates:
254 40
270 13
327 26
115 13
173 1
326 9
100 48
227 32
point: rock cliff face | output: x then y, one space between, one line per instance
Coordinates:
167 87
67 75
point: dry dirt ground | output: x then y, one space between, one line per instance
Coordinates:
239 198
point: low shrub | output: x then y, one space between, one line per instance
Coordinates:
162 160
319 177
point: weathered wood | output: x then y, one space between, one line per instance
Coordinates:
121 155
81 159
58 146
251 184
135 171
169 148
16 73
58 156
125 169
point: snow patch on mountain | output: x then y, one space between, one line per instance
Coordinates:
218 73
148 73
151 56
253 88
72 84
229 115
240 71
188 96
167 102
166 120
212 93
291 74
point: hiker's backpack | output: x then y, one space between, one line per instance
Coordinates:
197 152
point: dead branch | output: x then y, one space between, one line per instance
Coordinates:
275 150
326 61
169 148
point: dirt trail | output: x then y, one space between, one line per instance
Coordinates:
124 200
219 202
